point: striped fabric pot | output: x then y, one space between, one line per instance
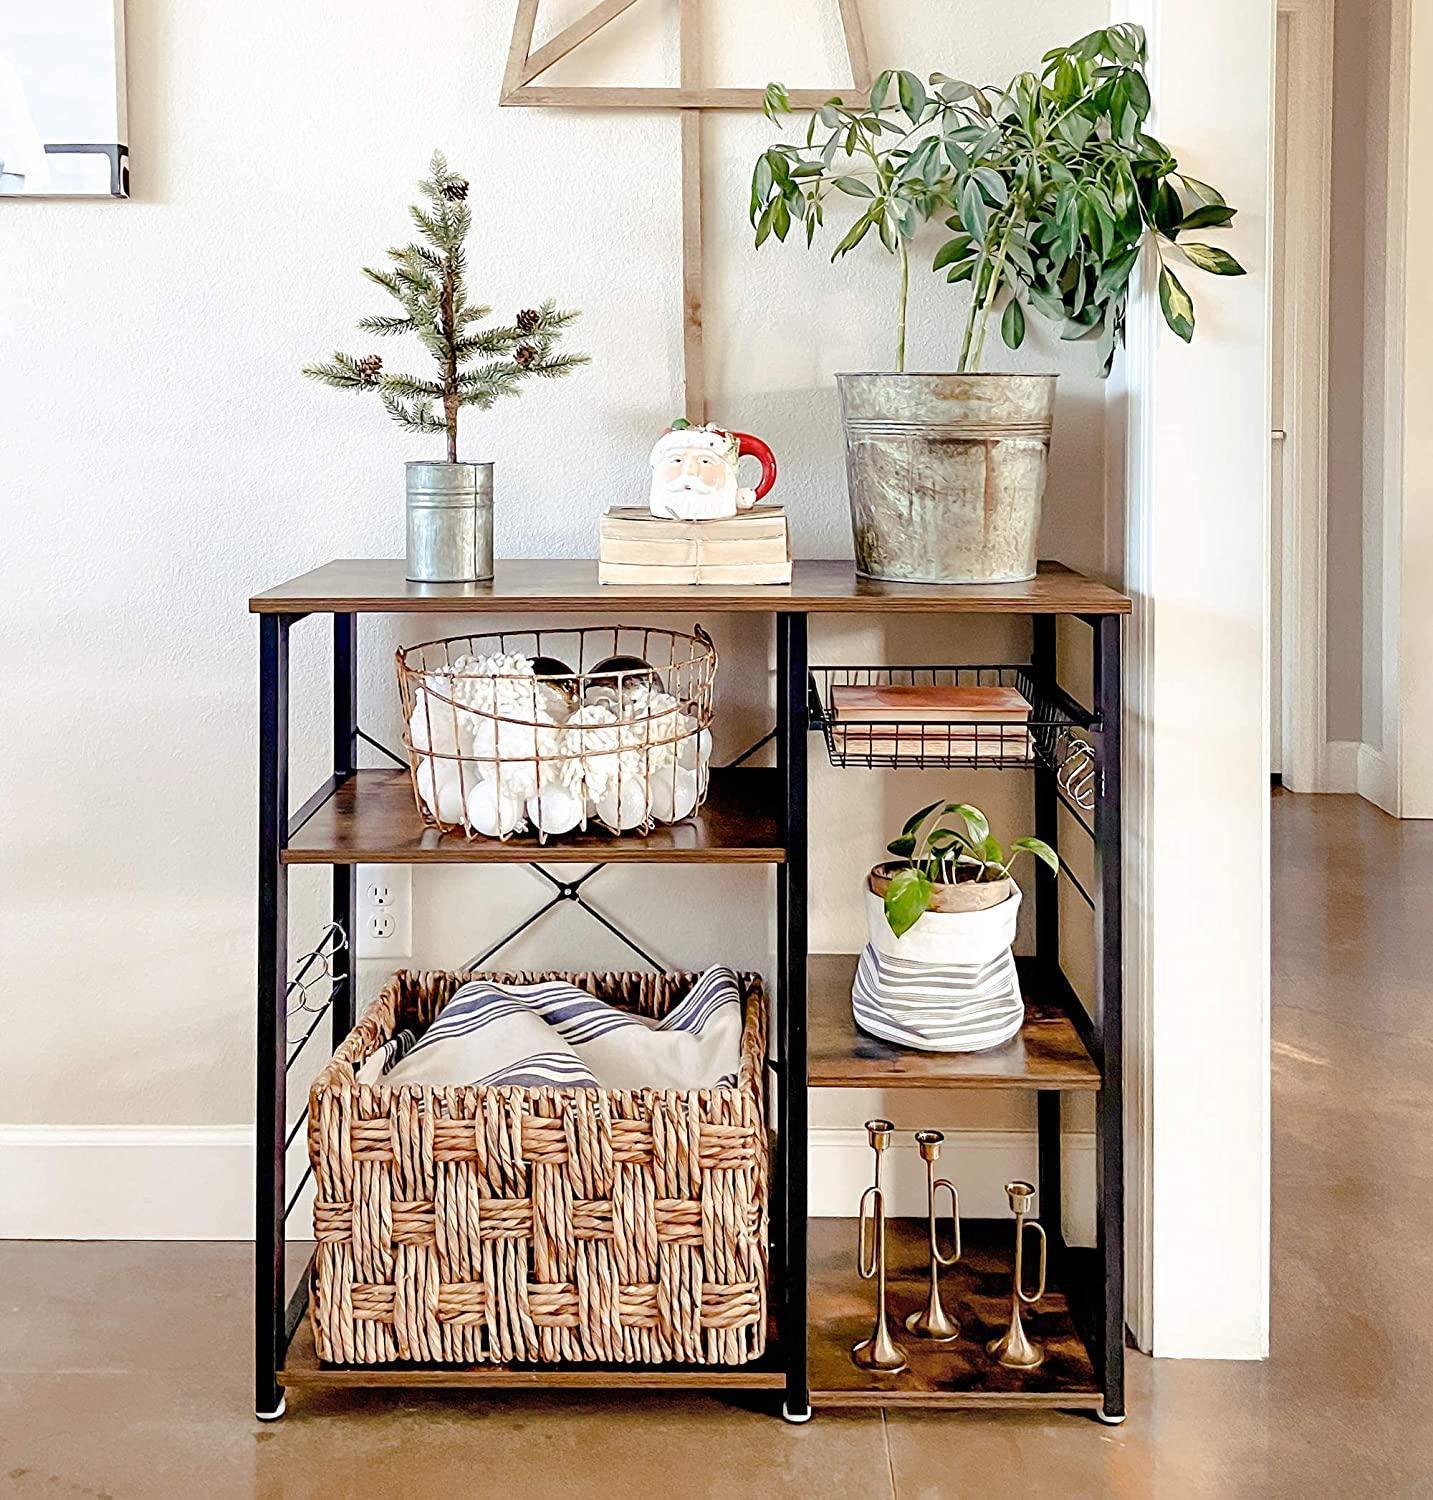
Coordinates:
946 985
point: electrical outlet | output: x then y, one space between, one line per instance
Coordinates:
385 911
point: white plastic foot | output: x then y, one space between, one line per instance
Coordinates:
1110 1421
796 1418
273 1416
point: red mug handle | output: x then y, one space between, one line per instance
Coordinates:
755 448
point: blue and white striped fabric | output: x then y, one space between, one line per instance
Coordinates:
949 1008
557 1036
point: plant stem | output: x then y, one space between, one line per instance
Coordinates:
985 286
450 373
901 309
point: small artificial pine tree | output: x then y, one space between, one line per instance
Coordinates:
427 280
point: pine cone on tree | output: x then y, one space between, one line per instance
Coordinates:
456 190
368 368
528 319
524 356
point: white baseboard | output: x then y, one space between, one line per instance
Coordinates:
1340 768
979 1162
1376 781
1352 767
126 1182
146 1182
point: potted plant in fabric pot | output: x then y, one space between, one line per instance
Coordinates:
937 972
450 504
1053 188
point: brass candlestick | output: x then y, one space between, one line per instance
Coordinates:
1013 1347
880 1351
932 1321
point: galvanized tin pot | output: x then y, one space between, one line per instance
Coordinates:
946 474
450 522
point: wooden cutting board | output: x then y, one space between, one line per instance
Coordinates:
900 704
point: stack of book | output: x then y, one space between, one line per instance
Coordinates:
751 548
930 722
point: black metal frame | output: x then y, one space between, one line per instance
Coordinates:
1095 1283
1097 1293
792 725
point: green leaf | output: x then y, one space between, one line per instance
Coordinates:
1201 190
880 89
854 186
1012 325
1176 304
1210 258
952 251
1208 216
911 92
1040 849
1115 274
956 154
761 183
973 214
857 232
780 218
976 823
763 226
993 185
916 819
775 101
907 900
1168 210
903 847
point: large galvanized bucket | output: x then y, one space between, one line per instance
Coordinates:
450 522
946 474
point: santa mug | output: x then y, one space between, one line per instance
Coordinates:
694 473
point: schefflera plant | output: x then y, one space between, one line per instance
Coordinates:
1051 184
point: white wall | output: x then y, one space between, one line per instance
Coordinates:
162 459
1409 601
1197 759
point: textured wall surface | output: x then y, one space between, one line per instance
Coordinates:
161 459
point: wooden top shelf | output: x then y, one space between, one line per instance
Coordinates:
377 586
1048 1053
372 819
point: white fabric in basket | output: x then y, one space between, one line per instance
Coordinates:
555 1035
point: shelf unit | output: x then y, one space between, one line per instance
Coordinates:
757 817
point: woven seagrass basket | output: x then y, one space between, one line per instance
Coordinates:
498 1225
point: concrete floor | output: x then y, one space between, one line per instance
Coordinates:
124 1369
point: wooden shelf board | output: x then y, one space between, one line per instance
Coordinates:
1047 1054
377 585
302 1367
371 819
977 1296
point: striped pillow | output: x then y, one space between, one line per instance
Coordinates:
558 1036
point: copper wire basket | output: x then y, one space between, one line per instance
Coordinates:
604 725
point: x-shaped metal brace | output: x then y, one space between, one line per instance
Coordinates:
566 890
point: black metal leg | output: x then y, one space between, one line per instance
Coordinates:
1047 816
791 731
1047 1114
270 1108
1109 977
345 885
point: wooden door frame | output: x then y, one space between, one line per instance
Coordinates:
1308 149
